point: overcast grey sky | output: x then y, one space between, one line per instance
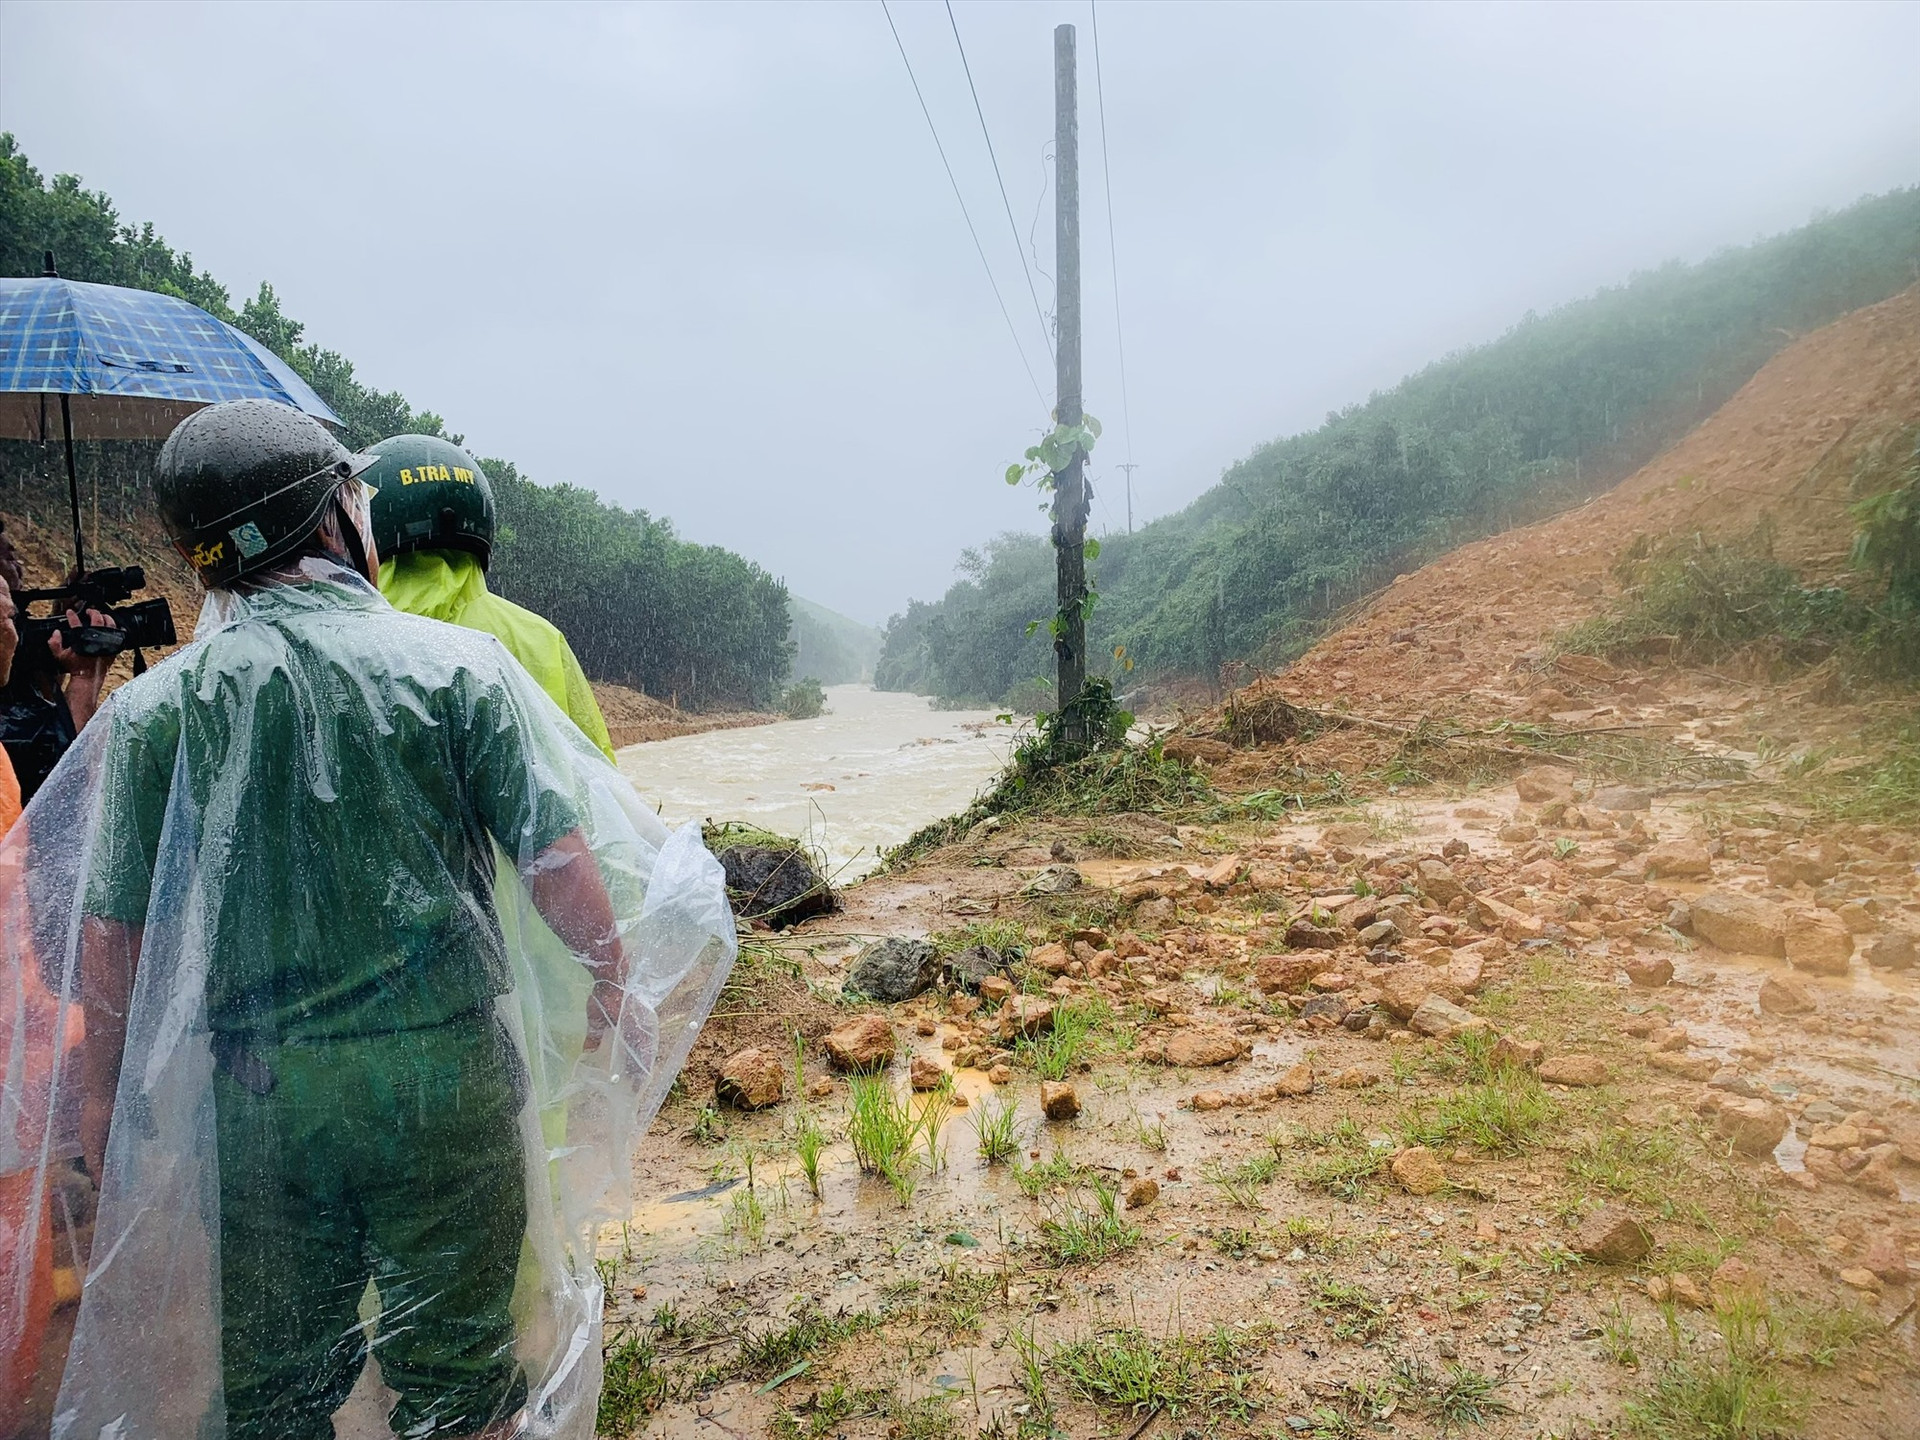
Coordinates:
703 258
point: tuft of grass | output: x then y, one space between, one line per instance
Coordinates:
1343 1161
1241 1184
1072 1038
1501 1116
1458 1395
1075 1235
996 1126
781 1347
1129 1369
935 1108
1351 1311
1738 1393
810 1145
1616 1338
1151 1135
632 1388
1057 1171
881 1129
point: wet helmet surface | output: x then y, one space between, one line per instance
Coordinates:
430 495
242 485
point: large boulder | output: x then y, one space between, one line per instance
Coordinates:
774 884
1740 923
895 969
1818 942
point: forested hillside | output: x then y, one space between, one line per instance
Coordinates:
830 647
1558 409
641 607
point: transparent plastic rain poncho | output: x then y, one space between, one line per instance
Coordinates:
360 1110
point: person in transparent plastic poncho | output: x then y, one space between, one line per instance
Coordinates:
353 1129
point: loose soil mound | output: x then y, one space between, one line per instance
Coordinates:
1467 638
1783 448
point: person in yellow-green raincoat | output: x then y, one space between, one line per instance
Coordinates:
433 523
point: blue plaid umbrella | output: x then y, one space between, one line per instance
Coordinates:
119 364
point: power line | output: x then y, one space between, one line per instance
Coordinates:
1012 332
1006 204
1113 250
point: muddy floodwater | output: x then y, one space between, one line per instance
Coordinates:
867 774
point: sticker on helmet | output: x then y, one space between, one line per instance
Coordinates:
248 540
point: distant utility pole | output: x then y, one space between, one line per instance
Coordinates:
1130 467
1070 488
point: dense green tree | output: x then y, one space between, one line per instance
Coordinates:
640 606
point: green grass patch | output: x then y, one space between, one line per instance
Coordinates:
1501 1116
1078 1235
1128 1369
1350 1311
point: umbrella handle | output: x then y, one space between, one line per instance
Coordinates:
73 483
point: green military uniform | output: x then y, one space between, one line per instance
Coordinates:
366 1100
451 585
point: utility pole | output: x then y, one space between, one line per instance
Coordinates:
1070 488
1130 467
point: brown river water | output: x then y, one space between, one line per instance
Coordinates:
865 775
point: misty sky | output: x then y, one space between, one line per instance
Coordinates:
703 258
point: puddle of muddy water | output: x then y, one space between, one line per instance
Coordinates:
867 774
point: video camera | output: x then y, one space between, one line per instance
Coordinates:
143 624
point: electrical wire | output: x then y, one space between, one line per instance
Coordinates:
1012 331
1113 250
1013 229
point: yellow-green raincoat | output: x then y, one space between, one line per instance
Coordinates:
450 585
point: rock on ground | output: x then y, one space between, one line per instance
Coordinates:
1197 1048
1753 1126
1440 1018
1649 972
1418 1171
1679 859
1895 950
1580 1070
777 886
750 1080
1740 923
1142 1192
1058 1100
1610 1236
1786 995
1818 942
925 1074
895 969
860 1044
971 968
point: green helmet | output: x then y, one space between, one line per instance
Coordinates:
432 495
243 485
